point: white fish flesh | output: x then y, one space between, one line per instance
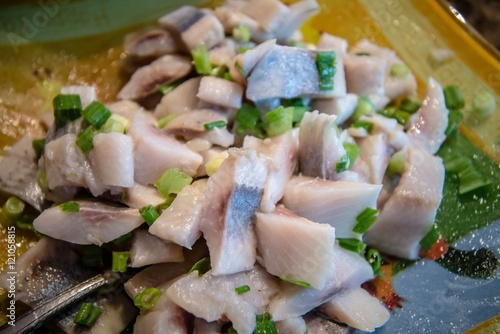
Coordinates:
346 271
282 152
300 12
211 296
179 101
336 203
95 223
294 247
428 125
155 152
320 147
148 249
232 196
220 92
365 74
203 327
375 152
356 308
139 196
294 325
271 14
180 223
409 213
150 43
146 79
342 107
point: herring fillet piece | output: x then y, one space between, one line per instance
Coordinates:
356 308
428 125
149 43
148 249
211 296
139 196
179 101
294 325
282 154
232 196
18 174
411 209
146 79
337 203
320 148
155 152
180 223
294 247
347 270
96 223
375 153
365 74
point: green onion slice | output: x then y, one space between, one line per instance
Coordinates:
368 126
296 282
325 63
202 266
85 140
397 162
399 70
375 260
264 325
201 60
172 182
13 208
365 220
213 125
352 244
365 107
119 261
87 314
399 115
149 214
410 104
242 289
67 108
96 114
279 121
38 146
430 238
453 97
242 34
483 104
120 240
71 207
147 299
248 120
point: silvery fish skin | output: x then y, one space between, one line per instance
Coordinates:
19 174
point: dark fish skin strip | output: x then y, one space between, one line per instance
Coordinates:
242 206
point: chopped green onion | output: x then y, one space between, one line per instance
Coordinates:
201 60
85 140
67 108
172 182
483 104
96 114
13 208
399 115
112 125
42 179
264 325
248 120
352 244
298 114
242 34
347 161
119 261
397 162
365 107
165 120
453 97
149 214
147 299
165 205
365 220
325 62
375 260
87 315
399 70
410 104
470 179
227 76
25 222
92 257
202 266
243 49
71 207
279 121
362 54
120 240
213 125
368 126
231 330
38 146
242 289
238 68
429 239
455 116
296 282
169 87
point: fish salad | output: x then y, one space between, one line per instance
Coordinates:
242 179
